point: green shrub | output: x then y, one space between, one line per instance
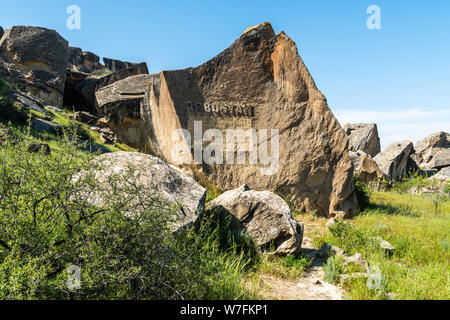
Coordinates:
332 269
9 112
48 227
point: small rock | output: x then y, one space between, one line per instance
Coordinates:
84 117
331 223
384 245
358 259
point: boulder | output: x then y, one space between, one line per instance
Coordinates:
258 87
384 245
442 175
121 104
29 102
91 84
264 216
84 61
365 167
35 60
363 137
393 161
116 65
167 182
433 152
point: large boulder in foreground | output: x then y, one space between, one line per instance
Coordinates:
167 182
35 60
264 216
364 137
395 161
433 152
259 85
366 168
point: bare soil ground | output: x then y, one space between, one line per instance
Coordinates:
312 285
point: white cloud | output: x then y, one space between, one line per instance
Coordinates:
410 124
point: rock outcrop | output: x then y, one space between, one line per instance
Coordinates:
395 161
116 65
442 175
1 32
84 61
264 216
35 60
433 152
121 104
365 167
90 85
260 83
364 137
168 183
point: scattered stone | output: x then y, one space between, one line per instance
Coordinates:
102 122
259 82
35 60
358 259
108 136
166 181
363 137
394 159
84 117
53 109
384 245
39 147
265 216
46 126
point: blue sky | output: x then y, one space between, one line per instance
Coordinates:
398 77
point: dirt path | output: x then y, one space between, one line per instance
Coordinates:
312 286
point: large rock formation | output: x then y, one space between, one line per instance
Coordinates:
395 161
90 85
365 167
259 83
156 177
264 216
116 65
1 32
121 104
84 61
35 60
433 152
364 137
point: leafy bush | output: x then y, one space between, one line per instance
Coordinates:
50 227
9 112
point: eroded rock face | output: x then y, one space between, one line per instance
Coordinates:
35 60
90 85
116 65
393 161
365 167
364 137
167 182
433 152
84 61
121 104
264 216
259 82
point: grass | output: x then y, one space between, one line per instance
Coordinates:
419 267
